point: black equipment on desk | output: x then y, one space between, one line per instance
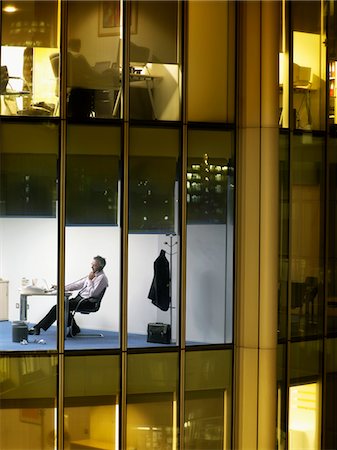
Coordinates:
159 333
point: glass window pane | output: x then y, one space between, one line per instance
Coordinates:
284 67
28 401
211 61
332 242
93 59
331 394
152 401
153 233
305 389
29 36
91 402
282 398
309 65
210 237
284 235
154 60
304 394
306 243
304 414
93 229
28 199
208 400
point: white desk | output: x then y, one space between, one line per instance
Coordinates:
136 80
23 303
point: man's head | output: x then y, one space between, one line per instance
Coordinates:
74 45
98 263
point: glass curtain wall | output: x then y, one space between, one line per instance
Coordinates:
92 401
155 66
29 38
62 107
29 226
331 255
301 325
154 228
210 231
152 401
28 399
93 187
208 398
94 60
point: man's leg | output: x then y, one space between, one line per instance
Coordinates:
73 302
44 323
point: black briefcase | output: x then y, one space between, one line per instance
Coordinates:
159 333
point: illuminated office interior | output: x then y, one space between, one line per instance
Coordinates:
199 132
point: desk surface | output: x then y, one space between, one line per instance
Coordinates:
143 76
30 292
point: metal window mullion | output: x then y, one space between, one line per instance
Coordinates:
126 11
183 29
61 225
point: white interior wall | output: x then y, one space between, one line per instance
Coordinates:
29 249
205 283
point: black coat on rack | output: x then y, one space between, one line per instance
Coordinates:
160 287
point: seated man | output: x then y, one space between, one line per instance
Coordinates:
89 287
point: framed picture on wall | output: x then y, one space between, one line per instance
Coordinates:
109 18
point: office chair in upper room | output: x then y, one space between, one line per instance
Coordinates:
96 304
9 93
55 64
3 80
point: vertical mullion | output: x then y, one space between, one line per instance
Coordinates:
126 11
61 226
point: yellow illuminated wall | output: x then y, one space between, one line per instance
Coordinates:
303 417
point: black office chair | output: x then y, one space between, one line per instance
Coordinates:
94 307
4 78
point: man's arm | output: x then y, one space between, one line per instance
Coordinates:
96 285
76 285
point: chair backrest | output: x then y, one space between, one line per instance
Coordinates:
55 63
3 79
96 304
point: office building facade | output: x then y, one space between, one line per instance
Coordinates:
192 145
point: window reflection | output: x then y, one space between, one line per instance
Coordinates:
332 248
154 60
308 68
306 264
29 37
27 401
331 394
28 196
207 400
153 236
93 60
210 78
152 403
93 225
210 227
91 402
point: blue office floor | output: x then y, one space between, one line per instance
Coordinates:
47 340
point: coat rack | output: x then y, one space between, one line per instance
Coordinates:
170 244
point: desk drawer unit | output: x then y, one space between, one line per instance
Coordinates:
3 300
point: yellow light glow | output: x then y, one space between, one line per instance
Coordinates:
10 9
303 416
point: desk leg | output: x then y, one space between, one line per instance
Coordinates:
117 102
23 307
149 90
